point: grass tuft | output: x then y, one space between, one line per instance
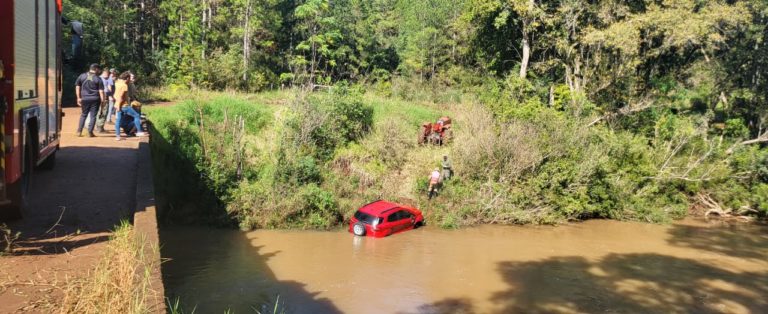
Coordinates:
120 282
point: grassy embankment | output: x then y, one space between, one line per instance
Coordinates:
287 159
120 283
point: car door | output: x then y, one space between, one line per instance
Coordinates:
401 221
393 221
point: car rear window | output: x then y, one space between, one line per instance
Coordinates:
366 218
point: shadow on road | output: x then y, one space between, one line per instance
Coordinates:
76 204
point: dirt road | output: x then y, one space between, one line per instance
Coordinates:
72 210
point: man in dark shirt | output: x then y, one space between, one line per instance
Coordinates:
89 89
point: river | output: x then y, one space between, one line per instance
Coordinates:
589 267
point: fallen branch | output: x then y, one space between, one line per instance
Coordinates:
715 208
56 224
760 139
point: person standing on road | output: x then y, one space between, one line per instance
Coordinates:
111 114
447 168
89 90
123 107
105 107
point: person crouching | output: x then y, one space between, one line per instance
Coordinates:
125 109
127 124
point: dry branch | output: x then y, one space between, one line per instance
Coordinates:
762 138
714 208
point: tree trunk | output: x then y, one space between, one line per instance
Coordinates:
314 56
125 26
551 95
526 55
246 40
205 31
432 57
577 84
526 42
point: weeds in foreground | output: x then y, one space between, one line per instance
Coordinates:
7 239
175 307
120 283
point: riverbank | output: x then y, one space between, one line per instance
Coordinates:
290 159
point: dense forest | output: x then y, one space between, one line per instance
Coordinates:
610 53
624 109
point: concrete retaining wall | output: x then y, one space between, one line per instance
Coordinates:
145 224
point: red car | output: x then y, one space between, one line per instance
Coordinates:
381 218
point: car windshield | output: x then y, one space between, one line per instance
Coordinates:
365 218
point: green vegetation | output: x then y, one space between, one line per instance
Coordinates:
309 160
564 109
174 307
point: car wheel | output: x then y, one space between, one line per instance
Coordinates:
358 229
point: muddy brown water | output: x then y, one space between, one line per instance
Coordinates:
589 267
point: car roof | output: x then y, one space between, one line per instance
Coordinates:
379 207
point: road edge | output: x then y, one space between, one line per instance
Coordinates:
145 224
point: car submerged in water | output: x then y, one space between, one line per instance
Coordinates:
382 218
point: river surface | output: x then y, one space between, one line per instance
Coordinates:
589 267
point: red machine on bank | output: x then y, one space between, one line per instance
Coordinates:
30 95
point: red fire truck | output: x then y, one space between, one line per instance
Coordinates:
30 93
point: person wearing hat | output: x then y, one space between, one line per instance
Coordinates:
89 90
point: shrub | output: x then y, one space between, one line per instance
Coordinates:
311 163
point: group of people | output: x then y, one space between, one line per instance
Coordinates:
437 176
104 94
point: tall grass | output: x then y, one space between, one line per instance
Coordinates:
120 282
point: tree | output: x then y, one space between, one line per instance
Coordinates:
526 15
321 34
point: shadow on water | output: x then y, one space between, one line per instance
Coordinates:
636 283
737 240
627 283
452 306
193 273
213 270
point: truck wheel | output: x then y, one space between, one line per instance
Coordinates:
49 163
18 191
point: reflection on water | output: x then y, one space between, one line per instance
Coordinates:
596 266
